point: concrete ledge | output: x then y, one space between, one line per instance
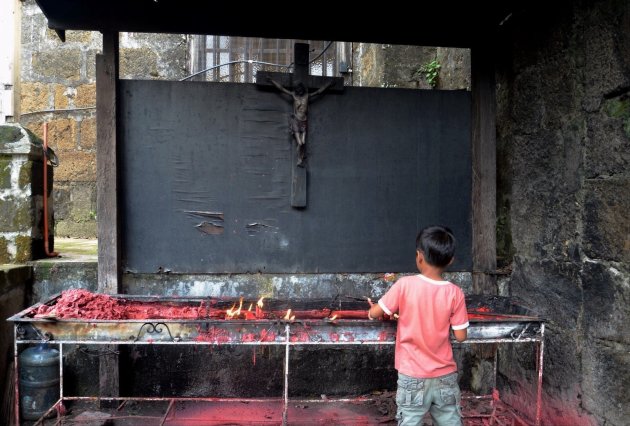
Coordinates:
53 276
12 276
75 267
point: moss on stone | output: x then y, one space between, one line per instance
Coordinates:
10 134
5 174
5 257
26 175
620 109
23 247
617 108
45 270
22 217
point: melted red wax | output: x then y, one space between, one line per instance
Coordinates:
300 336
213 335
83 304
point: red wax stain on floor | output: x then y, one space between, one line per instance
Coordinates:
376 409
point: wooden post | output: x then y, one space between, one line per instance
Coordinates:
484 170
106 165
106 191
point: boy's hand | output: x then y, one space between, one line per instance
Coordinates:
370 302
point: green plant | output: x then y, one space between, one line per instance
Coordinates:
430 71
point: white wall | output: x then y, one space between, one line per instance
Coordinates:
8 31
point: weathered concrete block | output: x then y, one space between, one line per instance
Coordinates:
607 380
5 174
86 96
15 215
78 166
61 96
138 63
35 97
58 65
607 147
7 208
62 134
606 293
370 65
53 276
75 209
5 256
21 197
87 139
80 37
24 249
90 59
606 219
454 68
10 135
400 70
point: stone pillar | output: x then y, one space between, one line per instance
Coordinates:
21 196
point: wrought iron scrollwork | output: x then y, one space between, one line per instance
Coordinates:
154 328
20 331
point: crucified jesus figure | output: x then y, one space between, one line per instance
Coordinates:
299 118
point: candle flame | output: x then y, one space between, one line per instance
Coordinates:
288 315
260 302
231 313
334 317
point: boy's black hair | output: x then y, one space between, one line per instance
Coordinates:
437 243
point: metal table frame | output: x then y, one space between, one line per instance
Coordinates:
290 333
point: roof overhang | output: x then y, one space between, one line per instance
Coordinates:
447 24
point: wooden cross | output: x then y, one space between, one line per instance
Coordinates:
299 80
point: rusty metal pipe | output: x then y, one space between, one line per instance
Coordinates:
46 248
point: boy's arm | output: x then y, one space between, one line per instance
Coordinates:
375 312
461 335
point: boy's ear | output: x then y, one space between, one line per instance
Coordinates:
451 262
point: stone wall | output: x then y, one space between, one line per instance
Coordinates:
564 177
390 65
57 85
21 196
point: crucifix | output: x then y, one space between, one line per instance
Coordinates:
302 83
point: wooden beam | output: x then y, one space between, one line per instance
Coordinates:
483 128
106 166
299 182
107 199
288 80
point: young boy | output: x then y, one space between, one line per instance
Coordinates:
428 307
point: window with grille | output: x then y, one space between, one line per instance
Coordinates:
237 59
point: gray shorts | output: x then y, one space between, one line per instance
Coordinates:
440 396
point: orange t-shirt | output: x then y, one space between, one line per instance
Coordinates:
427 310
